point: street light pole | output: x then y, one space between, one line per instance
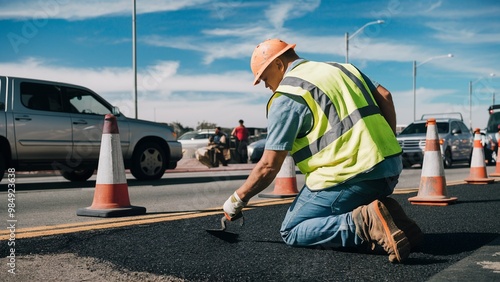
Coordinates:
470 97
134 58
347 37
414 90
415 80
347 47
470 105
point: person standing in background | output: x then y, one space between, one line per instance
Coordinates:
240 133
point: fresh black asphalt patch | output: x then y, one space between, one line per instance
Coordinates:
255 252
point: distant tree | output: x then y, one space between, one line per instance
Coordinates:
206 125
179 129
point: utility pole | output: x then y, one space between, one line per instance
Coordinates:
134 59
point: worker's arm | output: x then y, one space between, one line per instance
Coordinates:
263 174
259 179
384 100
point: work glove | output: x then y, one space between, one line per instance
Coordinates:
233 206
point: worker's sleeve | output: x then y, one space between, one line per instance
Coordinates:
287 119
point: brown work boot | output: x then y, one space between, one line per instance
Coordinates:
374 224
403 222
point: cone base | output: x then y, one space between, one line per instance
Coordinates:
427 201
479 180
495 174
116 212
274 195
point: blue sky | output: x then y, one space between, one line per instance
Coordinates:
193 55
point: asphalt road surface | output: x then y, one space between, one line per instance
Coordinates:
461 244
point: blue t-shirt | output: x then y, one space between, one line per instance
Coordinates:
288 119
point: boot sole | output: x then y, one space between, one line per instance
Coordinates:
397 239
410 228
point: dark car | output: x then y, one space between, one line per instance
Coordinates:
256 149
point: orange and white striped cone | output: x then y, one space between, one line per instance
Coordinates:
432 190
111 197
478 174
285 184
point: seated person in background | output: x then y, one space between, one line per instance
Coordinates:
217 150
219 144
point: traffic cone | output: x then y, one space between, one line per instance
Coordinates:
285 184
432 190
478 174
111 191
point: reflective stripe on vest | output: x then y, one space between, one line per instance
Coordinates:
325 154
326 104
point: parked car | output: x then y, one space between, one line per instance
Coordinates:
256 149
47 125
193 140
455 139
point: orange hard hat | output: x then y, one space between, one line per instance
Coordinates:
264 54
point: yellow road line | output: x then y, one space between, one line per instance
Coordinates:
405 191
122 222
412 190
147 219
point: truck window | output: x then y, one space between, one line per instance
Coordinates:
443 127
84 102
414 128
42 97
463 128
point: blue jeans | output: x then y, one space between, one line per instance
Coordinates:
325 217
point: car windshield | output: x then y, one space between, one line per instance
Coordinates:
194 135
418 128
188 136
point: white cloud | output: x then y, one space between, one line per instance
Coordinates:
157 84
78 10
278 13
405 109
212 50
431 101
434 6
464 33
236 38
225 113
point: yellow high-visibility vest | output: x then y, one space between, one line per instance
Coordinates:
349 135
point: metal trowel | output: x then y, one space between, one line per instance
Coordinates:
222 233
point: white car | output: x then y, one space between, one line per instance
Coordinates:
193 140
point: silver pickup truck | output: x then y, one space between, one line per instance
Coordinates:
47 125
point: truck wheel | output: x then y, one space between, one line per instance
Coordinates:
2 166
77 175
148 162
406 163
448 161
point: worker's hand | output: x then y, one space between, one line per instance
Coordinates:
233 206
